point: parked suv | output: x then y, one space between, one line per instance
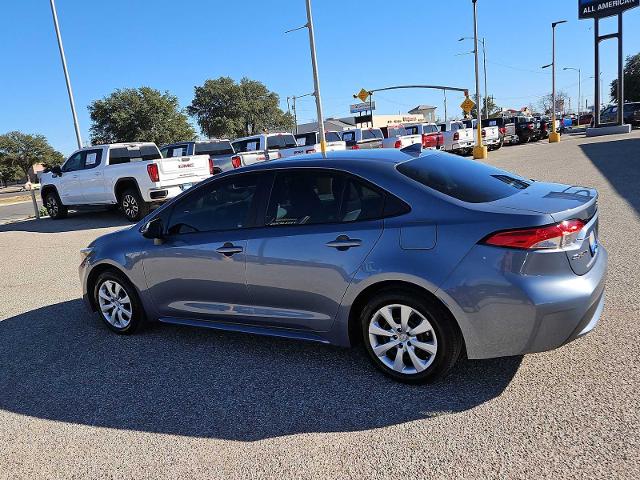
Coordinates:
132 176
219 151
630 114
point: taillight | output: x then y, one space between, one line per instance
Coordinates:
355 147
236 161
502 130
530 126
398 144
310 150
211 169
154 174
560 235
484 132
456 136
545 127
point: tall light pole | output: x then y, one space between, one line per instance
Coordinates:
66 73
294 98
554 136
479 151
484 66
579 89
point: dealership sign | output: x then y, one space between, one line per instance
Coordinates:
604 8
362 107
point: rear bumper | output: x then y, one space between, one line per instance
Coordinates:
456 146
505 309
161 191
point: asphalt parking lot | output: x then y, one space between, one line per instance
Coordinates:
176 402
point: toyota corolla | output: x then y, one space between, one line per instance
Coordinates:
422 258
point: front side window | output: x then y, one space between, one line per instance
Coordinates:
248 145
305 198
349 137
92 159
223 205
306 139
177 151
332 137
74 163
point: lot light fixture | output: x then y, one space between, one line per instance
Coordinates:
554 136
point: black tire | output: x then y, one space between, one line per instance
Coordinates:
447 337
137 317
132 205
54 206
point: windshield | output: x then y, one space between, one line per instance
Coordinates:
463 179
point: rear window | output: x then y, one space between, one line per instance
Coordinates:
412 130
370 134
306 139
332 137
248 145
492 122
397 132
277 142
463 179
214 148
120 155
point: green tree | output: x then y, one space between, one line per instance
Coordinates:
491 106
224 108
7 171
20 151
631 80
139 115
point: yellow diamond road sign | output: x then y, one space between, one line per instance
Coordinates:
467 105
363 95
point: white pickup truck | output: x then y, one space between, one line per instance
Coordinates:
262 147
490 135
132 176
310 142
399 137
457 137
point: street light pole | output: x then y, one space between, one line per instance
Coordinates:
579 89
316 80
479 151
66 73
484 66
554 136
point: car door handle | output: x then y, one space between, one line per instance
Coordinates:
343 242
229 249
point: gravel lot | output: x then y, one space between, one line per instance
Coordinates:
175 402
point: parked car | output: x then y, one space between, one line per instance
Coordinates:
586 119
310 142
630 113
525 128
133 176
399 137
356 246
457 137
262 147
432 137
366 138
220 152
490 134
505 127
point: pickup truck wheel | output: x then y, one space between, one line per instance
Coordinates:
54 206
132 205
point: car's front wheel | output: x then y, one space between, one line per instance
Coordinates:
408 338
117 303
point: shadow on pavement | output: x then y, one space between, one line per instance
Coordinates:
618 161
60 363
82 220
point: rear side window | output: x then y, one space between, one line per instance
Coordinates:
120 155
412 130
349 137
361 202
278 142
213 148
249 145
463 179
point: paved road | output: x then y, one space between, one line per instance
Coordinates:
76 401
17 210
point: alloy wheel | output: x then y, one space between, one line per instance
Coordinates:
52 206
402 339
115 304
130 206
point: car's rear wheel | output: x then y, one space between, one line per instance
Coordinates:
408 338
54 206
117 303
132 205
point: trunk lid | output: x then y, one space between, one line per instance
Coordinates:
564 202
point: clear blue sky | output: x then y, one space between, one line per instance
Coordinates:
175 45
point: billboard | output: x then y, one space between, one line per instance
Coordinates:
362 107
604 8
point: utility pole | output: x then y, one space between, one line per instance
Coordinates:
484 66
444 92
316 80
66 73
480 150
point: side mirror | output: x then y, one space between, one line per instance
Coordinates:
56 170
154 230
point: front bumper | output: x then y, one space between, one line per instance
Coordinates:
504 306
